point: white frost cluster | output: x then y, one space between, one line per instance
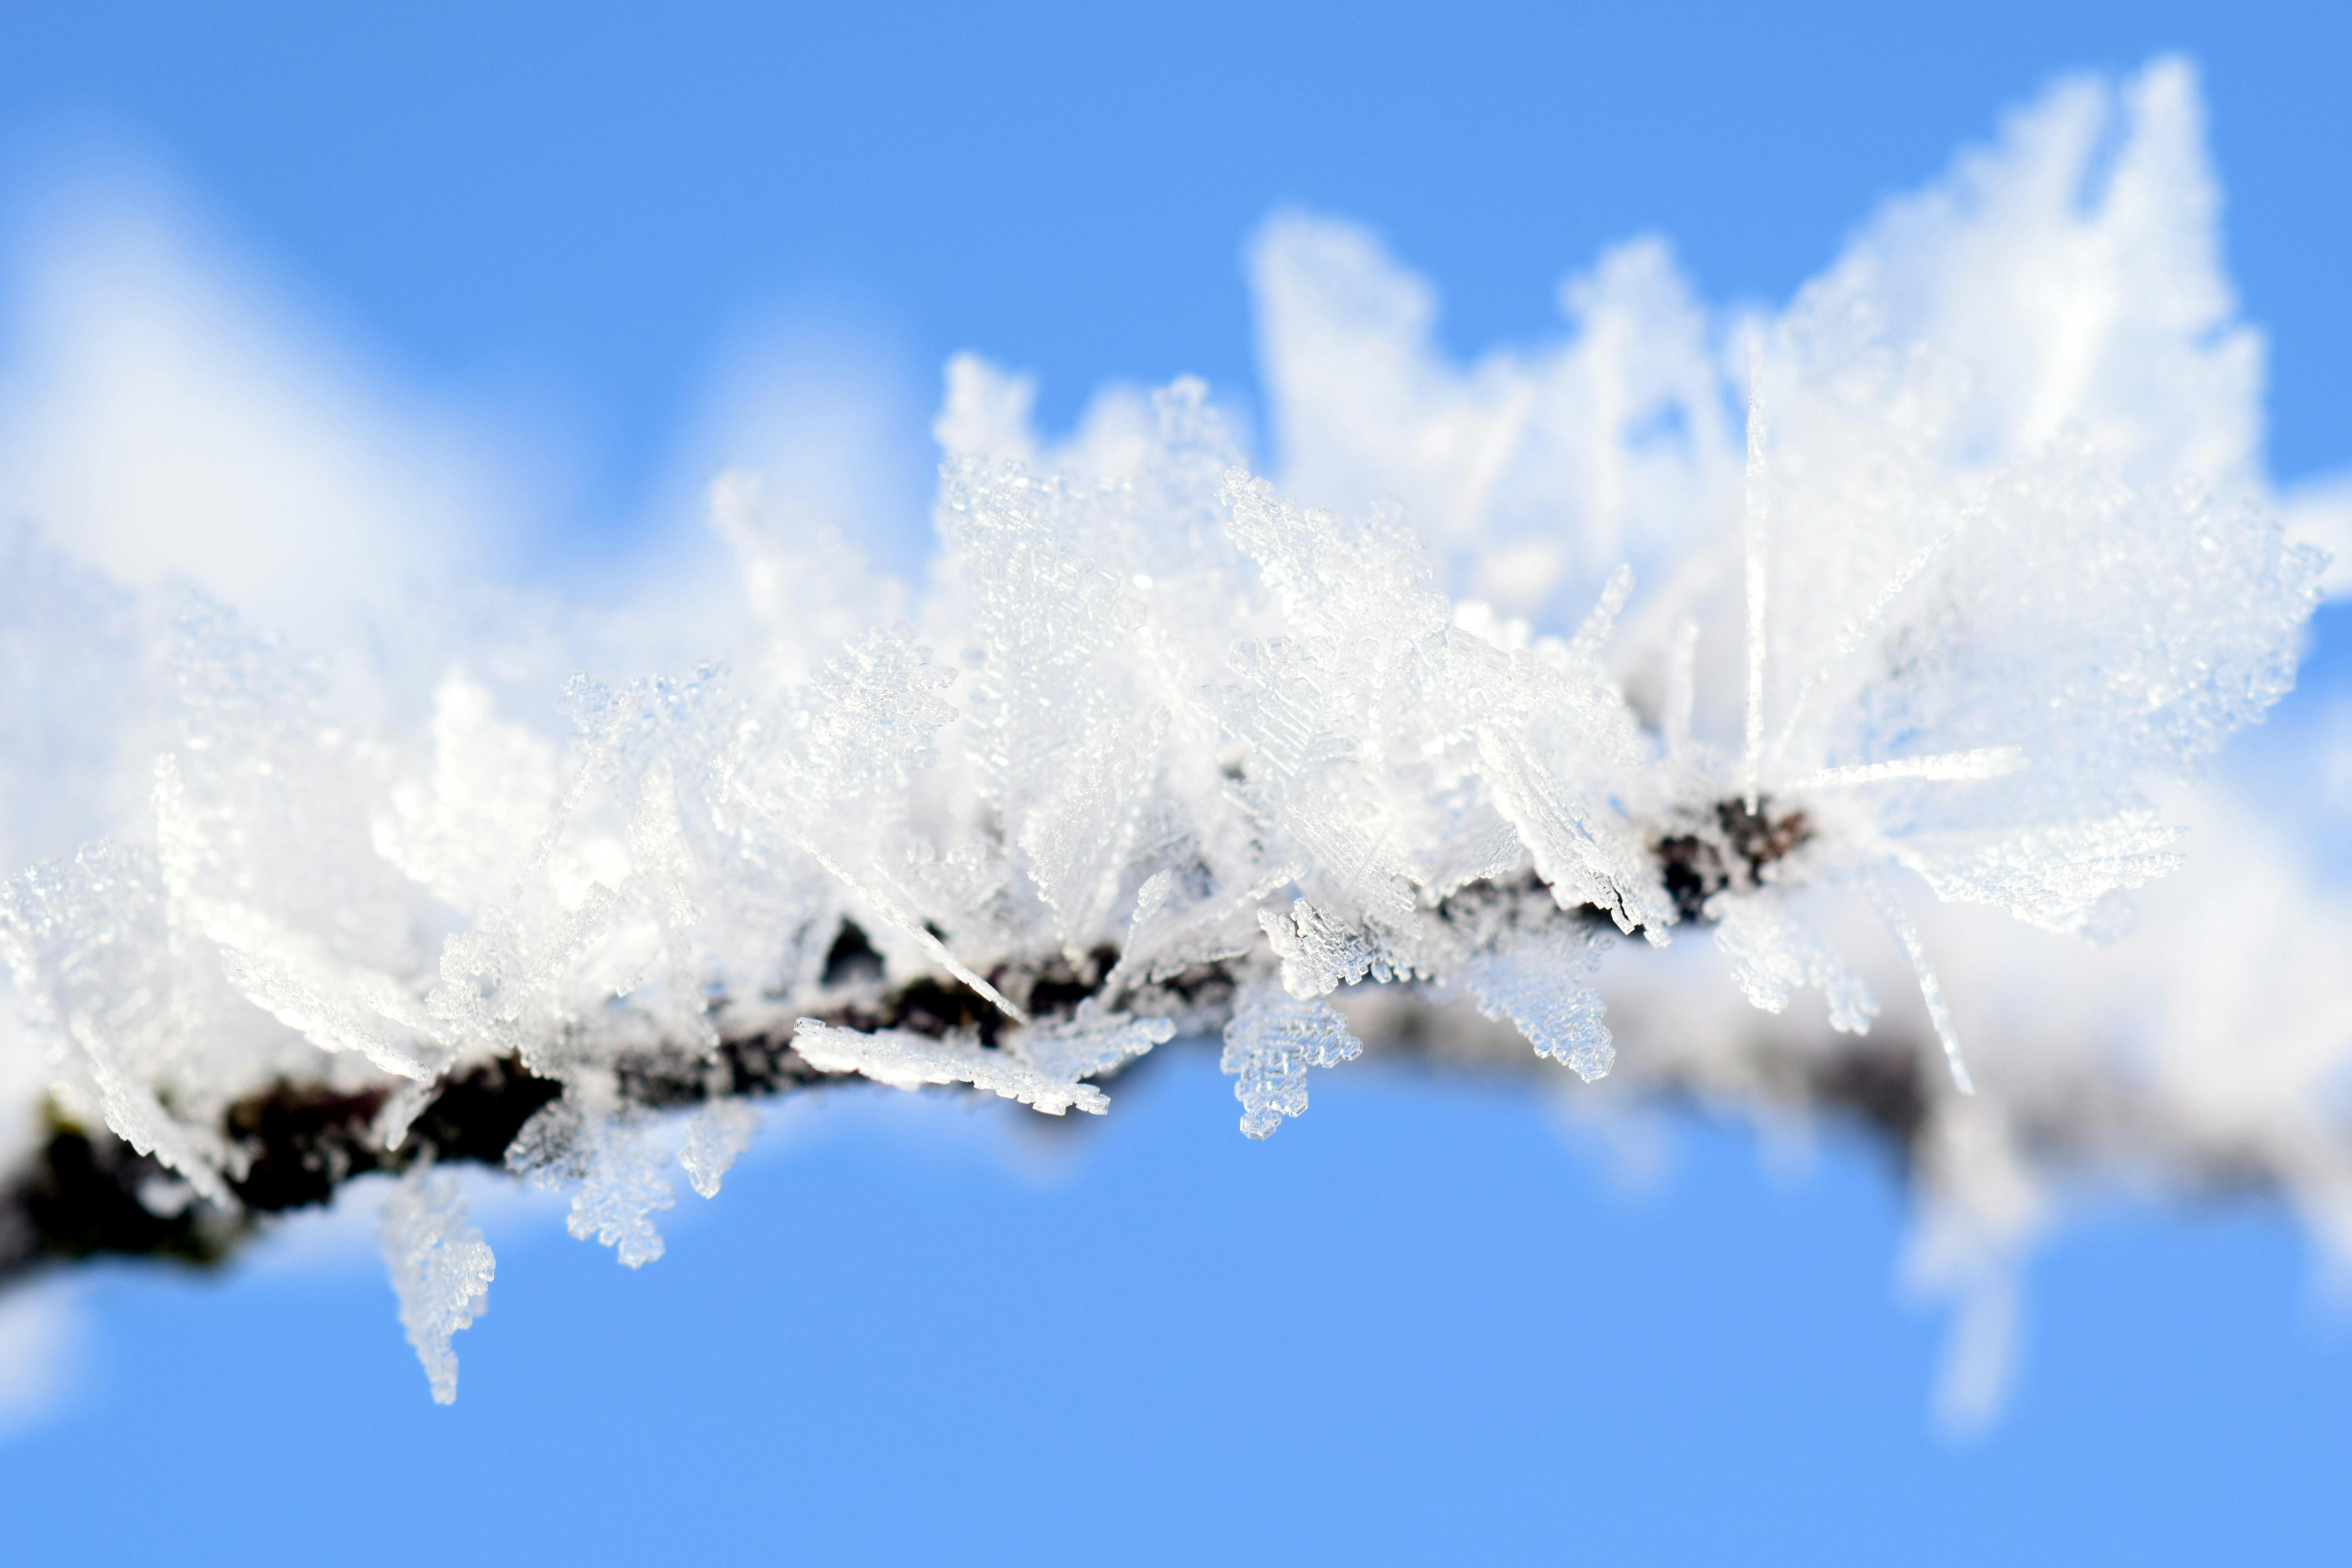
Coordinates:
441 1269
1771 642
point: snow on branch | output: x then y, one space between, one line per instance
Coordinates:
1780 760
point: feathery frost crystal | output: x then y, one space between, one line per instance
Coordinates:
1559 693
441 1269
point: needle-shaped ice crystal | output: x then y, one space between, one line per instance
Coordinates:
905 1060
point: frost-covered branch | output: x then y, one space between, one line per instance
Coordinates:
1795 760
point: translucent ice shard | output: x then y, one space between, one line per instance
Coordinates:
1554 462
441 1268
86 941
905 1060
1318 955
720 1132
1089 1042
466 829
1542 981
2053 878
602 1151
1273 1040
1065 720
1772 952
618 1198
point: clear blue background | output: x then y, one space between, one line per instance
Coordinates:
1415 1325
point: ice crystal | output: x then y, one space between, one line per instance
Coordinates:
1771 952
441 1269
1043 1077
1270 1043
720 1132
604 1155
1542 982
1087 1043
1825 636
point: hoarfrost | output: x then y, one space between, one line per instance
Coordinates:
1891 687
618 1198
722 1130
1318 956
1772 952
86 944
1272 1040
905 1060
1541 981
604 1154
1089 1042
2054 878
441 1269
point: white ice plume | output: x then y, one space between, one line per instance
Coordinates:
1894 686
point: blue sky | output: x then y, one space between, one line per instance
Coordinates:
577 207
1414 1326
1421 1322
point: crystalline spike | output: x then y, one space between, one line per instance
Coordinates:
1318 955
618 1198
1772 952
1952 767
583 1142
1594 633
1850 638
1906 935
1270 1043
1681 683
441 1268
720 1132
1063 718
1551 464
87 943
1089 1042
1757 518
909 1061
1581 851
465 829
1541 981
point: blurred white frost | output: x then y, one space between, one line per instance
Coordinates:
2062 285
1997 572
169 413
